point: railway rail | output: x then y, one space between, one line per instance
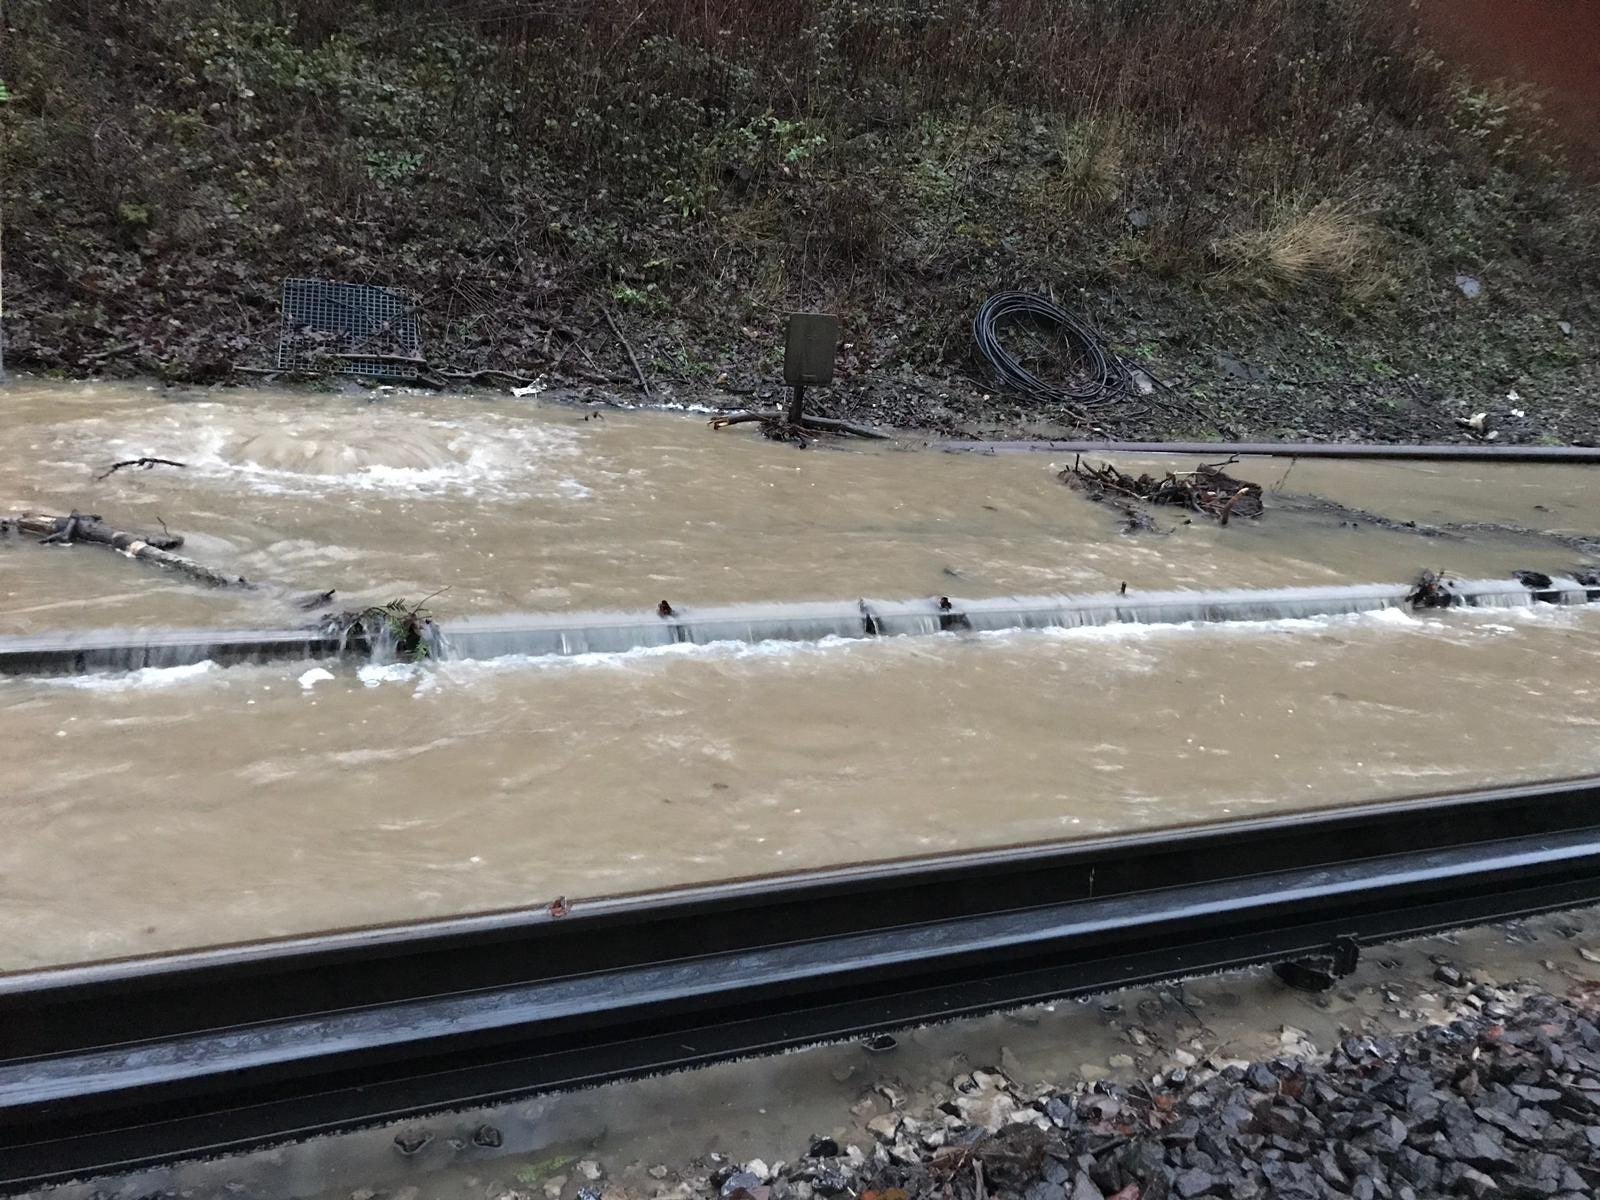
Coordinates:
114 1066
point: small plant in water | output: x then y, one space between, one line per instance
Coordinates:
407 627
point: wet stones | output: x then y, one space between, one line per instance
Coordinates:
1487 1106
886 1127
1490 1105
410 1142
987 1102
487 1137
830 1183
1195 1182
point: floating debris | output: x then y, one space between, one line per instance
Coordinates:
1207 489
1432 590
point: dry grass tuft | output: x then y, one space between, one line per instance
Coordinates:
1328 241
1090 173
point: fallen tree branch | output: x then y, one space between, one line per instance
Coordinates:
834 425
588 358
64 535
143 464
777 425
314 600
153 548
644 384
109 352
487 372
1227 508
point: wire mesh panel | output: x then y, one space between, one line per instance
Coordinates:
349 329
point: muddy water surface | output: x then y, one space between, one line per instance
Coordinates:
177 808
515 506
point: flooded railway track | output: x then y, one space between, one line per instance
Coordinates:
245 903
122 1065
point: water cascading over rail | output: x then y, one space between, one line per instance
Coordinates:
556 634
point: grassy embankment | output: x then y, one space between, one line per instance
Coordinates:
1296 183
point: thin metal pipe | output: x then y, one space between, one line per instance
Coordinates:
1582 455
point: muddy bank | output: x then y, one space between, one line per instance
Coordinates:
1265 382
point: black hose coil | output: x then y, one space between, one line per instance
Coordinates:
1101 377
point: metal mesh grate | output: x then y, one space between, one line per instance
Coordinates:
349 329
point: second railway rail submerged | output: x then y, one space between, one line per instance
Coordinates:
110 1067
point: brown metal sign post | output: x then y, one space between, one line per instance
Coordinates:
810 343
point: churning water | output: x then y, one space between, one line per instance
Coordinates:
163 808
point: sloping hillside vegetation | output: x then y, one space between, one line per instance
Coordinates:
1267 201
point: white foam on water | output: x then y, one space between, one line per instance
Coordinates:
687 406
449 673
453 672
513 461
372 448
129 681
313 677
374 675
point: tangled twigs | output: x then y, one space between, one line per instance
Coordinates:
1208 489
144 464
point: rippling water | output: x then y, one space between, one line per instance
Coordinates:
162 809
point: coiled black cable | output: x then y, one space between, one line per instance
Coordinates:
1100 378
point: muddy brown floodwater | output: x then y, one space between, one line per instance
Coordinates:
193 806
